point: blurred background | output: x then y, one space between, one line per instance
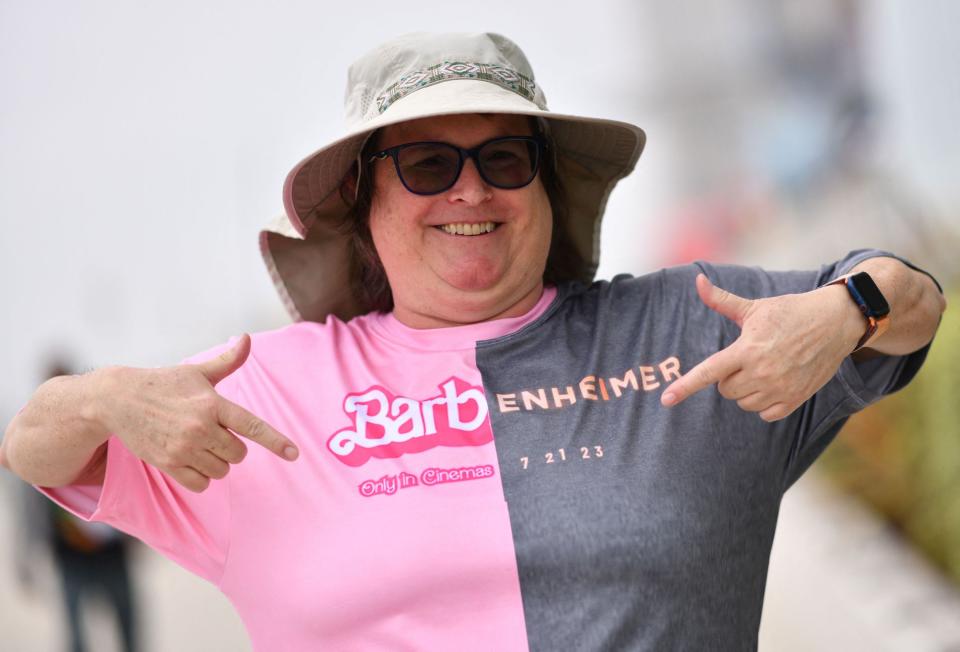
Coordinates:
142 146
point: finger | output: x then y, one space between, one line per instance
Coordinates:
754 402
728 304
254 428
227 362
736 386
712 370
209 465
775 412
189 478
228 447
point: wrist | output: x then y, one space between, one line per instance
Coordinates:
851 324
871 303
93 408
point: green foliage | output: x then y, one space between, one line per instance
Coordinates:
902 455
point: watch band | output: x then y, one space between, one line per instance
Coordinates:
871 303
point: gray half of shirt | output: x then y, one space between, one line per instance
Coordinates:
639 527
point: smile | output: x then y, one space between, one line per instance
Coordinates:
468 229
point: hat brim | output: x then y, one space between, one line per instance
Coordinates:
306 250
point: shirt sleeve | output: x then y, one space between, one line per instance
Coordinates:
855 385
192 529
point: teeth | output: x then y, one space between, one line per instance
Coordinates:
468 229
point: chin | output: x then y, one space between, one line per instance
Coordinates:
474 300
468 298
475 278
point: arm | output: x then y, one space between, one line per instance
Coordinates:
791 345
58 439
916 304
170 418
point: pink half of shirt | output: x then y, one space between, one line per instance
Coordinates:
390 532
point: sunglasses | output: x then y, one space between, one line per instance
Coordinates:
429 168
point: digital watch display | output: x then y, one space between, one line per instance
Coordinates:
871 302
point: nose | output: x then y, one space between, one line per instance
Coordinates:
470 187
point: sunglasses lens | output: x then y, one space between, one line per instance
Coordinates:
509 162
429 167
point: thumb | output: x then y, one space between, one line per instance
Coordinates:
227 362
728 304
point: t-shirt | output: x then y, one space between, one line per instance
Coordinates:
509 485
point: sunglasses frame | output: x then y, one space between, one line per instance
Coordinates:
463 153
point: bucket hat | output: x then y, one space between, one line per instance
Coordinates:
307 251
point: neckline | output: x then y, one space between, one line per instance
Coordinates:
456 337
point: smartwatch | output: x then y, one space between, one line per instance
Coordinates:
870 301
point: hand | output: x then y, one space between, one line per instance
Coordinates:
789 347
173 419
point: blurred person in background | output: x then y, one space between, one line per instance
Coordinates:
91 559
489 451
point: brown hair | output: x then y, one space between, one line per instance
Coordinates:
370 284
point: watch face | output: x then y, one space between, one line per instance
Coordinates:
871 294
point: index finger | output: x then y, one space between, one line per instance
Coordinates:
249 425
709 372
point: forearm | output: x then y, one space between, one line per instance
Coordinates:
915 305
56 436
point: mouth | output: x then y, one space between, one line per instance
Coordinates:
462 228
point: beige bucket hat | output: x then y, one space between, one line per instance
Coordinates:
417 76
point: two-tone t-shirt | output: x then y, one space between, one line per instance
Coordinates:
508 485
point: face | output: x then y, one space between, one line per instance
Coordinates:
440 278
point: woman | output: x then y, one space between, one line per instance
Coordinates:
488 455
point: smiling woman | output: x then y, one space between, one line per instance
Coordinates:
483 449
442 279
370 280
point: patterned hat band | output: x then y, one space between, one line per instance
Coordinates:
502 76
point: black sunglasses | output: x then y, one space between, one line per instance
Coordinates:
429 168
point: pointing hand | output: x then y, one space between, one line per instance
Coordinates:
789 347
173 419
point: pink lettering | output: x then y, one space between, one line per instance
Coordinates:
388 426
385 485
434 476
